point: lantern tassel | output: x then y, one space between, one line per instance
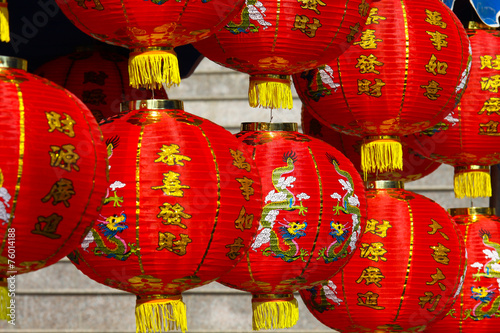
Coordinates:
158 315
472 182
4 22
4 299
274 313
381 154
270 91
153 68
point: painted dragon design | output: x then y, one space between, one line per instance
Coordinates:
488 304
253 10
492 267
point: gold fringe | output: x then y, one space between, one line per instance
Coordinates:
4 302
160 315
275 314
472 184
4 23
153 69
270 94
379 156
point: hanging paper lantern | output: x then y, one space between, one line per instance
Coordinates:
4 22
312 215
99 77
469 137
403 74
415 166
275 38
52 171
476 309
406 273
151 30
181 209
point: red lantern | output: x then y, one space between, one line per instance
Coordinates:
414 165
469 138
99 77
476 308
406 273
312 215
52 170
403 74
179 212
275 38
151 30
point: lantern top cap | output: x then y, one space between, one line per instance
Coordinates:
472 211
271 127
384 184
13 62
474 25
152 104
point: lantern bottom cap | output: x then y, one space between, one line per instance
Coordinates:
472 183
155 314
270 92
275 313
154 69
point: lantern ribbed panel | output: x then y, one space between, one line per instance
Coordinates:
99 77
405 274
312 216
52 171
477 305
282 37
181 209
415 166
403 74
469 136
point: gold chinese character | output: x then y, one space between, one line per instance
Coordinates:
302 24
166 240
368 40
436 278
487 61
239 160
371 275
64 126
311 4
363 8
353 32
436 67
50 227
170 155
366 64
64 157
61 191
173 214
171 185
375 90
370 300
431 299
435 18
98 78
438 39
435 226
234 249
377 228
489 128
492 105
440 254
373 251
431 90
246 187
374 18
244 220
490 83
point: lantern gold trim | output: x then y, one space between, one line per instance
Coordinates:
472 211
153 104
270 127
13 62
384 184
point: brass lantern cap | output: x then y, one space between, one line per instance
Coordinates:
153 104
472 211
269 127
13 62
384 184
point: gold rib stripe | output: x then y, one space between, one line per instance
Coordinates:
461 297
410 257
320 217
345 297
339 26
217 211
278 8
407 57
138 197
20 162
346 100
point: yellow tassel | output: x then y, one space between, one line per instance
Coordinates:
270 91
4 299
159 315
472 182
275 313
381 154
153 68
4 22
